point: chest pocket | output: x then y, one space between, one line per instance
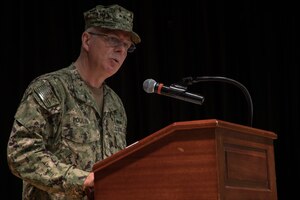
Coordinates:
80 130
80 142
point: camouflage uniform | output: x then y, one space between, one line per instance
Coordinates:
58 134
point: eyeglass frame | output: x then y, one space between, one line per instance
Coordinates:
114 41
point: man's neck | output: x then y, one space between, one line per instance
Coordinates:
89 74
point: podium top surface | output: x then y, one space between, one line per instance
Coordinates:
184 126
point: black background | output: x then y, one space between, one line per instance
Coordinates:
253 42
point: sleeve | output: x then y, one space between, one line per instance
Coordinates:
28 157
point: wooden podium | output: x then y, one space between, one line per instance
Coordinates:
203 160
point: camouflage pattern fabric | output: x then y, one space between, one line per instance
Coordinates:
112 17
58 134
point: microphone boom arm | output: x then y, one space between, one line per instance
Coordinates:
190 81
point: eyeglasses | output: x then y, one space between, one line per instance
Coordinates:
116 42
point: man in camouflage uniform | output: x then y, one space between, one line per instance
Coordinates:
69 119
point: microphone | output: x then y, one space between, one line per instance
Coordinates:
174 91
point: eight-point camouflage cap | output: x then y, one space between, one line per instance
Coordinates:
111 17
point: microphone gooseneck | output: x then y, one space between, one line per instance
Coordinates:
190 81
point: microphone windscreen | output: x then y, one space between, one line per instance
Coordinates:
149 85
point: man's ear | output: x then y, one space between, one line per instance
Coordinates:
85 39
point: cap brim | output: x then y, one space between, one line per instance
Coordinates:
135 37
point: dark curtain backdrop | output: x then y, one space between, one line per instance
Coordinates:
253 42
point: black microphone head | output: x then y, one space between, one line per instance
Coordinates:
149 85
